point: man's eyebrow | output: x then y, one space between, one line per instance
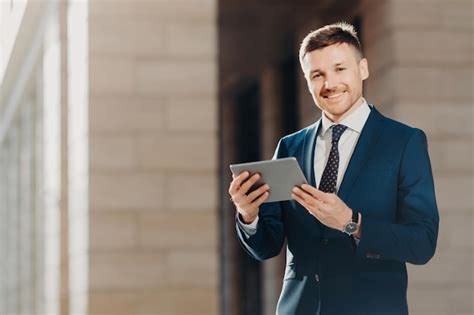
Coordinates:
315 70
321 71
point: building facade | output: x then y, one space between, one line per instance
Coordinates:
118 120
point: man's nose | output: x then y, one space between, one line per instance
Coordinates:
330 83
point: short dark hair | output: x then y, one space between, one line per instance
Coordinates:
328 35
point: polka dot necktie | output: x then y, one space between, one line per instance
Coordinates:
329 177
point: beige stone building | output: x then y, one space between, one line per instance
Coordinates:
119 118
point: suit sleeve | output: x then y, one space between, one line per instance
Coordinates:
268 239
412 238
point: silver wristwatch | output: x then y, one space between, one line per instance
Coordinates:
351 227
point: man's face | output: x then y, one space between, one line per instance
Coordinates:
334 75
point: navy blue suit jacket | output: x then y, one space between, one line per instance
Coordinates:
389 180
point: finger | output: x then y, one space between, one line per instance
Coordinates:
301 200
318 194
235 184
311 208
261 199
304 203
244 188
257 192
309 189
245 199
300 192
242 200
303 194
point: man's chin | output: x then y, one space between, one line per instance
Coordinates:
337 108
335 112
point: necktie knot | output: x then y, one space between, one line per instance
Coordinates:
337 131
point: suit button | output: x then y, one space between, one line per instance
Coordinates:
324 241
316 277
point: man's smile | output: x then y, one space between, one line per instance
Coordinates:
334 96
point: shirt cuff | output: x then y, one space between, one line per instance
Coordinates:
248 229
356 240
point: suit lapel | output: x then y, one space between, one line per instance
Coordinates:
367 140
308 152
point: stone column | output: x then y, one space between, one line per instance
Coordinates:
153 158
421 63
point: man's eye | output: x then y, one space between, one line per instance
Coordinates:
340 69
317 75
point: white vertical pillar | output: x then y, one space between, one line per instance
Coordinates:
78 167
26 209
3 225
12 221
38 186
52 161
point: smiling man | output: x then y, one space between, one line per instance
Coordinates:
369 207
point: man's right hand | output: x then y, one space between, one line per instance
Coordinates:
247 204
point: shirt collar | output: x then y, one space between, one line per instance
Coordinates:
355 120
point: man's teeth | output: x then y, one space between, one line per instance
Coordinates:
334 95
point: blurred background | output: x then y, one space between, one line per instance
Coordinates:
119 118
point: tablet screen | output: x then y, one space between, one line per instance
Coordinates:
282 175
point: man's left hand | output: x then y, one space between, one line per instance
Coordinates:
328 208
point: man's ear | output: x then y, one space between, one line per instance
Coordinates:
364 69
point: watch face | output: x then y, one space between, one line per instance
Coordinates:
350 228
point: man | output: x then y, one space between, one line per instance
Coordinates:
370 207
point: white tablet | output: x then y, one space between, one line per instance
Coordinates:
281 175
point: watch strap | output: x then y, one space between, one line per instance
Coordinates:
355 216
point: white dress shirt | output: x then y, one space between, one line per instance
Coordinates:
355 121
